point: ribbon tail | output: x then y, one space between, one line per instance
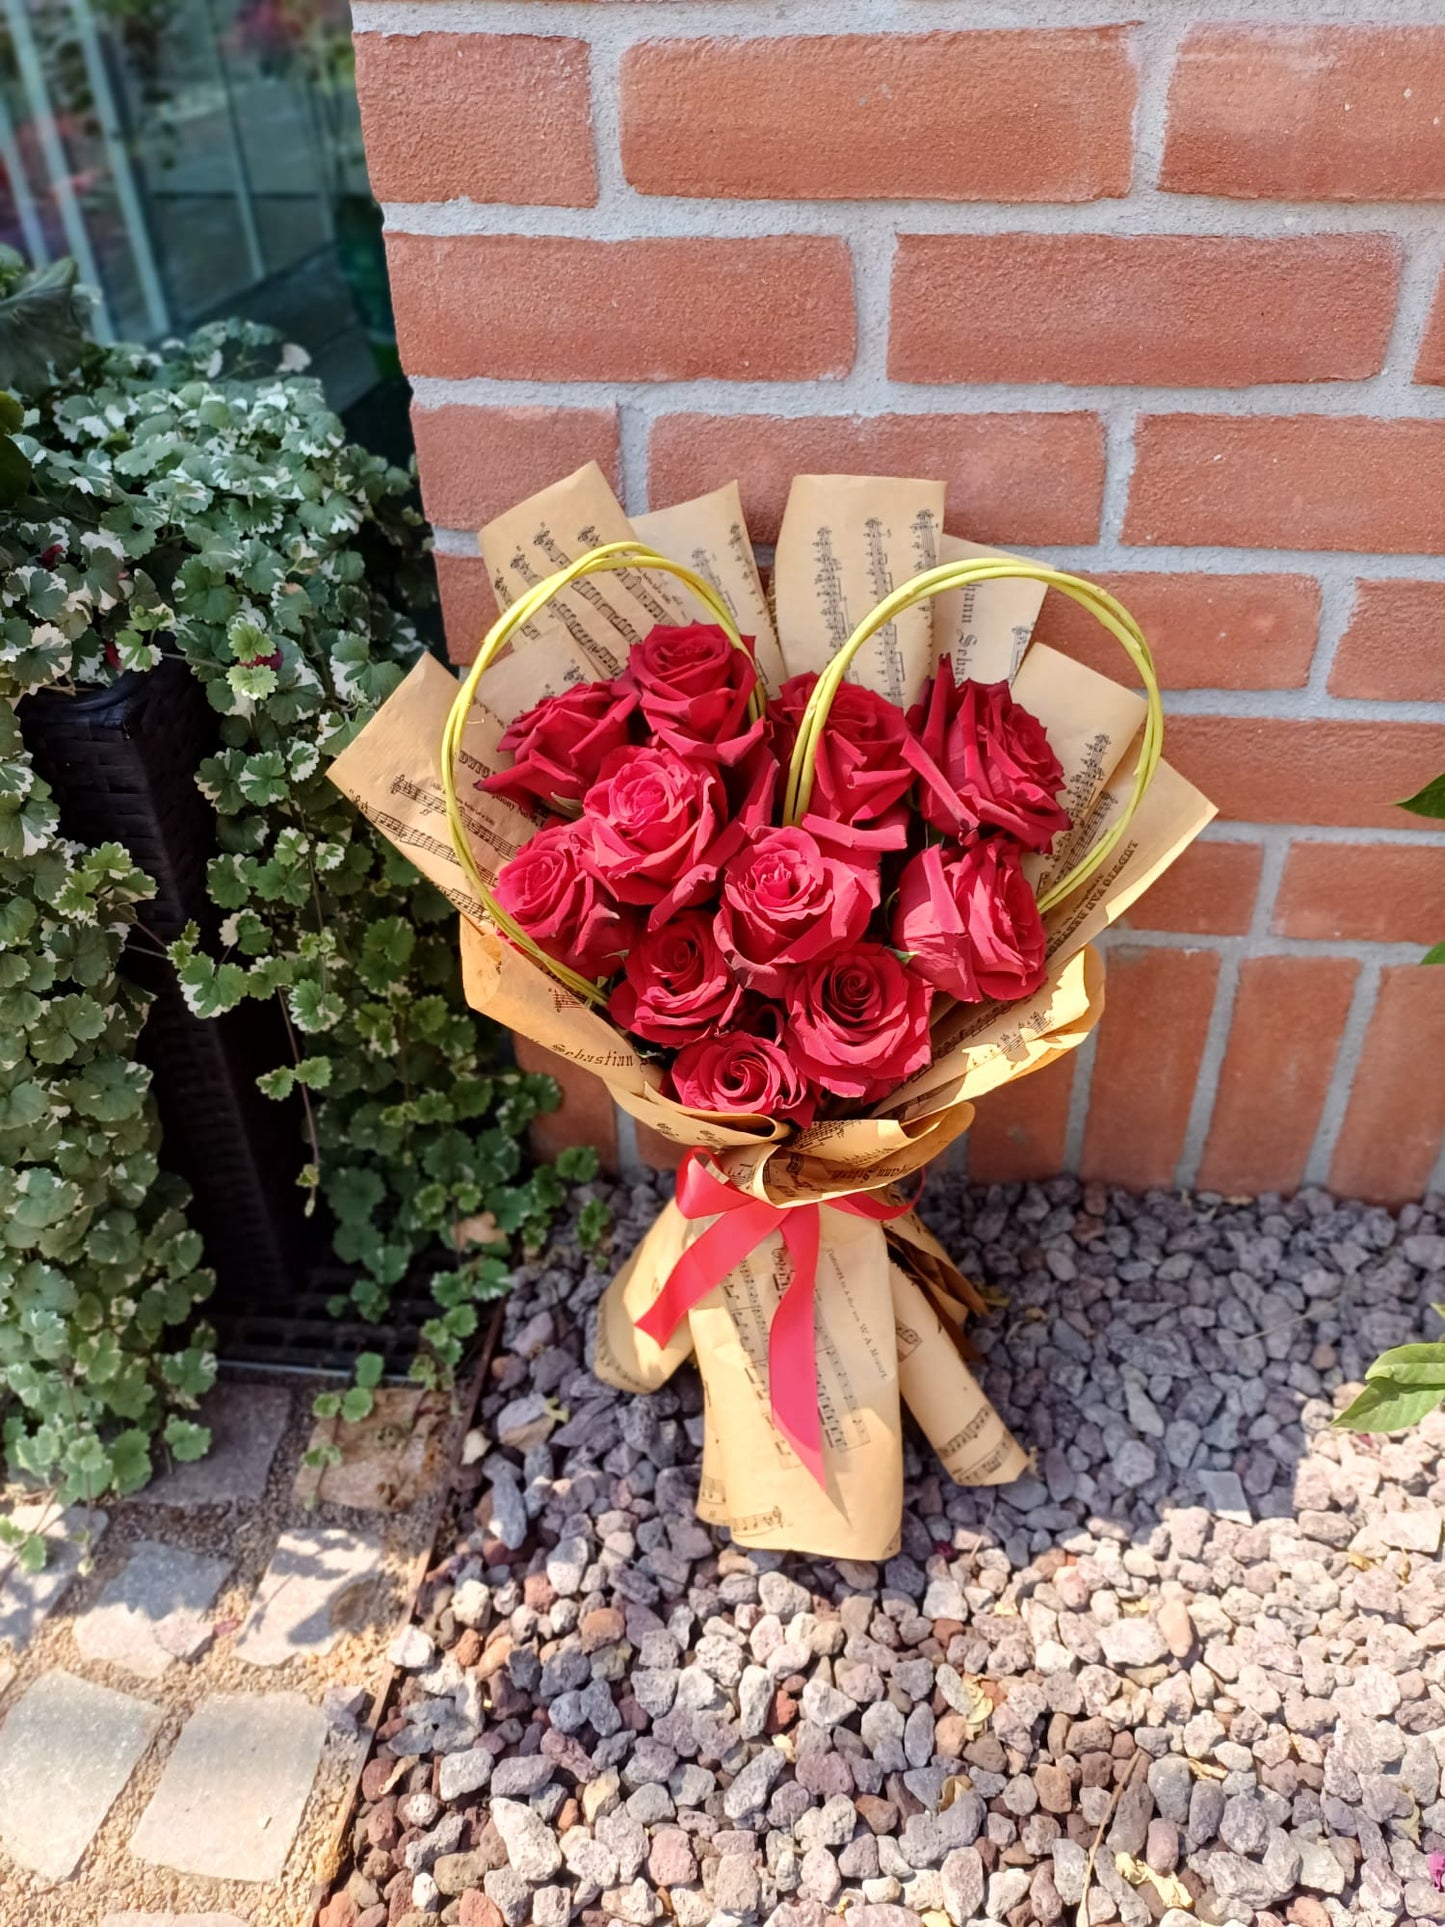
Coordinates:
705 1264
792 1361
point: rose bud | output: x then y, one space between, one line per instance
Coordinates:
784 902
742 1076
693 686
858 1021
971 922
558 747
677 986
650 819
992 764
560 903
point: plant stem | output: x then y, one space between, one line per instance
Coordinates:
305 1101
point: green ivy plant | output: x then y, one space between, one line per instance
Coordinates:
97 1261
1405 1384
200 500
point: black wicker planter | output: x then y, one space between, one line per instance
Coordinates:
122 764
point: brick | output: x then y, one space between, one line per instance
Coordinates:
1209 891
1018 478
1263 769
477 116
1364 892
1394 646
1151 1041
551 308
586 1114
1308 114
1289 1015
467 604
1430 366
1019 1130
981 116
477 462
1395 1118
1288 482
1192 311
1206 631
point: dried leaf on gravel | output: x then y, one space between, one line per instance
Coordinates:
980 1707
1169 1887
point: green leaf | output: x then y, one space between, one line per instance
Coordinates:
354 1193
1429 801
369 1367
30 1556
385 953
15 470
579 1163
209 988
1384 1406
109 1090
130 1461
593 1221
1435 954
187 1440
1411 1365
41 331
357 1404
315 1009
326 1405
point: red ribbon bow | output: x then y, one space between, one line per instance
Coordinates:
742 1224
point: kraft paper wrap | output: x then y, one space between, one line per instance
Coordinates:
891 1307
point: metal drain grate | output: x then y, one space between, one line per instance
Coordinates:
296 1333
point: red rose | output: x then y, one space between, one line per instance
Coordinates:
858 1023
741 1076
997 769
677 987
971 922
559 902
784 903
861 768
693 687
698 883
559 747
650 818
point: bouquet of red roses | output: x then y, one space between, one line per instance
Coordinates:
770 969
800 894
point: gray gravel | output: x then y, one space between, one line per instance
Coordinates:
1212 1629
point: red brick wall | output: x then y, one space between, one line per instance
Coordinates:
1163 302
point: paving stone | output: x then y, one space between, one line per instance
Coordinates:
234 1788
157 1580
172 1920
28 1598
321 1582
67 1748
247 1422
389 1459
